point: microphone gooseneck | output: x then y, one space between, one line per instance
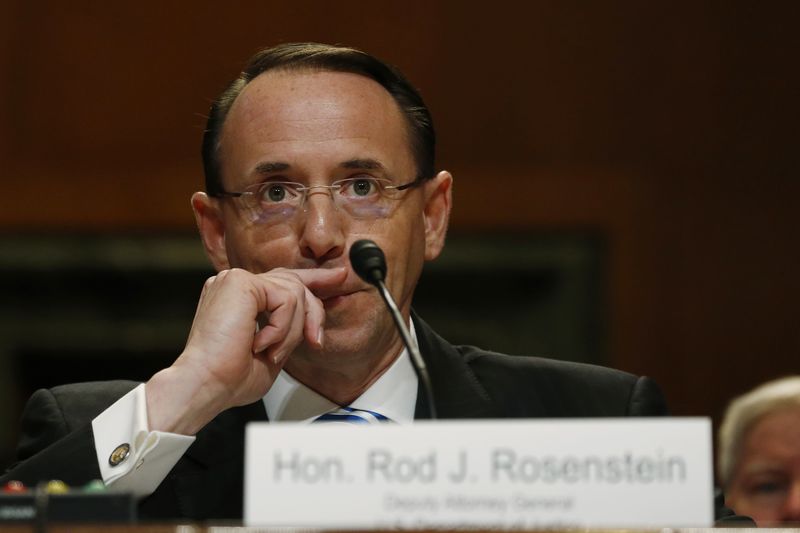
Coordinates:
369 263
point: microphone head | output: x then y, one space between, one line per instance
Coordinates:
368 261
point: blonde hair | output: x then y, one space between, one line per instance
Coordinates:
743 412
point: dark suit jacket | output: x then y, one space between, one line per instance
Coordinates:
207 482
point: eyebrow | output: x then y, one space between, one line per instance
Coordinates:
761 466
367 163
364 164
268 167
271 166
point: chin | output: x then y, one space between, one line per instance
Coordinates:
348 339
358 333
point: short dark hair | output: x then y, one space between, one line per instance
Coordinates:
315 56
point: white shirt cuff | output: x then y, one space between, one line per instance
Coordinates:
151 454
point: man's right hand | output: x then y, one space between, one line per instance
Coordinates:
228 359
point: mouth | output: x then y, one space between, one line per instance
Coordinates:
334 300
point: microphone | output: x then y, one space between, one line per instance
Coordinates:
369 263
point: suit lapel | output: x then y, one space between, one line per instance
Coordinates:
457 392
210 483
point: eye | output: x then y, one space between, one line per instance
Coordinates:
768 487
362 187
276 193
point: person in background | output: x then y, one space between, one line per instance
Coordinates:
759 453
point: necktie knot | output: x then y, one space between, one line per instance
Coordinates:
350 415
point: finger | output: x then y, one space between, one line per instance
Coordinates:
314 319
278 322
295 336
286 343
294 311
283 331
316 278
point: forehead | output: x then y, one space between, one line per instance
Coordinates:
308 116
776 436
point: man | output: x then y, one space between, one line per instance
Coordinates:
759 453
312 148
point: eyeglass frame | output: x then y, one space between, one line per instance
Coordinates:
304 189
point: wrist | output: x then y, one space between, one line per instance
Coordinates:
181 402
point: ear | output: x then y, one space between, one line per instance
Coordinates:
438 201
208 215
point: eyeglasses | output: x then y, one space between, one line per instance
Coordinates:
274 202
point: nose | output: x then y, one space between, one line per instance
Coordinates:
322 235
791 506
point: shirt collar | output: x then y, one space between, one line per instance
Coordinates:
394 394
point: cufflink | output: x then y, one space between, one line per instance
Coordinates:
119 454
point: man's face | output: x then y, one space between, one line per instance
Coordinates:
766 482
314 128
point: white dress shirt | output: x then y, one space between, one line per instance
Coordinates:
394 395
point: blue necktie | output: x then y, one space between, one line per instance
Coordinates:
349 415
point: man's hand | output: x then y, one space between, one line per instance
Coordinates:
229 360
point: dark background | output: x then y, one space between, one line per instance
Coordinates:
636 163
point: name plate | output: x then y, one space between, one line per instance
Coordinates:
506 474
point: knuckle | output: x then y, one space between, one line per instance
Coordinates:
299 292
292 305
235 275
209 282
236 272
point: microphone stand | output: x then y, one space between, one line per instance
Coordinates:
369 263
416 358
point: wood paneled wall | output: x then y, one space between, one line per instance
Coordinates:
670 127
